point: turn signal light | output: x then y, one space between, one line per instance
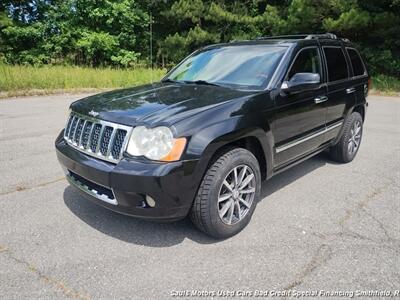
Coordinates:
176 151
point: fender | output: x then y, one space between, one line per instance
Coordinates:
205 143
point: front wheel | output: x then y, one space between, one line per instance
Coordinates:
228 194
349 143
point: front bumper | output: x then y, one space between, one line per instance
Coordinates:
123 187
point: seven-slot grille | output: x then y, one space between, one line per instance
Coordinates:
104 140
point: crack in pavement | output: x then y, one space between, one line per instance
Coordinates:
57 284
351 234
362 204
324 252
335 235
25 188
380 224
322 255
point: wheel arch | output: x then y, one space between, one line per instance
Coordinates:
360 108
250 143
222 136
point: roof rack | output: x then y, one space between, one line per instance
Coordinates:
322 36
302 36
277 37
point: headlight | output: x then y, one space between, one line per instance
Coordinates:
155 143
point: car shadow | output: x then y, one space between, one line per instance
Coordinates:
285 178
155 234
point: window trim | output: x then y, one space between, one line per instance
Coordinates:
327 68
278 71
285 78
362 62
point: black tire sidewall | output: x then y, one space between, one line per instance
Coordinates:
354 117
243 157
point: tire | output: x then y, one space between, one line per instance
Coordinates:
220 217
349 143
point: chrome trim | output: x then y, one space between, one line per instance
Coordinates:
302 140
320 99
333 126
66 125
88 151
111 142
350 90
74 133
83 128
89 139
70 127
103 127
92 193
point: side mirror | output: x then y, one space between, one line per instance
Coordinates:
301 82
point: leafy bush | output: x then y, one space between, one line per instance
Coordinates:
117 32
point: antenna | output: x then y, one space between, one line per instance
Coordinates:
151 45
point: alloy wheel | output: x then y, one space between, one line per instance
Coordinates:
355 138
236 194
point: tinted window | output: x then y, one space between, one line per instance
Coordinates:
307 61
358 67
242 66
337 66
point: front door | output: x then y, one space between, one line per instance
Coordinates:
300 118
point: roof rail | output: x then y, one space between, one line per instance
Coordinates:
322 36
277 37
302 36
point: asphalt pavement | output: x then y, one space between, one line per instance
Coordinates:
320 226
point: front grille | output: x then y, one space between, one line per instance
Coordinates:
104 140
95 137
72 128
118 142
78 131
86 133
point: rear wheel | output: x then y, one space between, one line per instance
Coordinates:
228 194
349 143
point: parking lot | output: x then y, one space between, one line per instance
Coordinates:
320 226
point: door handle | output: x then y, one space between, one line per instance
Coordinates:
350 90
320 99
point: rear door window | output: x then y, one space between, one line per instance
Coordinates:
356 62
337 65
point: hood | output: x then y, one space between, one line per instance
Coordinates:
155 104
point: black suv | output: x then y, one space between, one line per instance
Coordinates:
200 141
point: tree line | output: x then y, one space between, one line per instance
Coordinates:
123 33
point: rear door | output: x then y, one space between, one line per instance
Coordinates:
300 118
359 77
341 92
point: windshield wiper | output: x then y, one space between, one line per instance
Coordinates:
170 80
203 82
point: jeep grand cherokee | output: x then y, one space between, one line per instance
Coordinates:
200 141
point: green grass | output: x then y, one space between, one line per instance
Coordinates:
25 80
28 80
386 84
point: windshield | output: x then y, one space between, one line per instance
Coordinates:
240 66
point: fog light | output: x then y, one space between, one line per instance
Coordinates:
150 201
